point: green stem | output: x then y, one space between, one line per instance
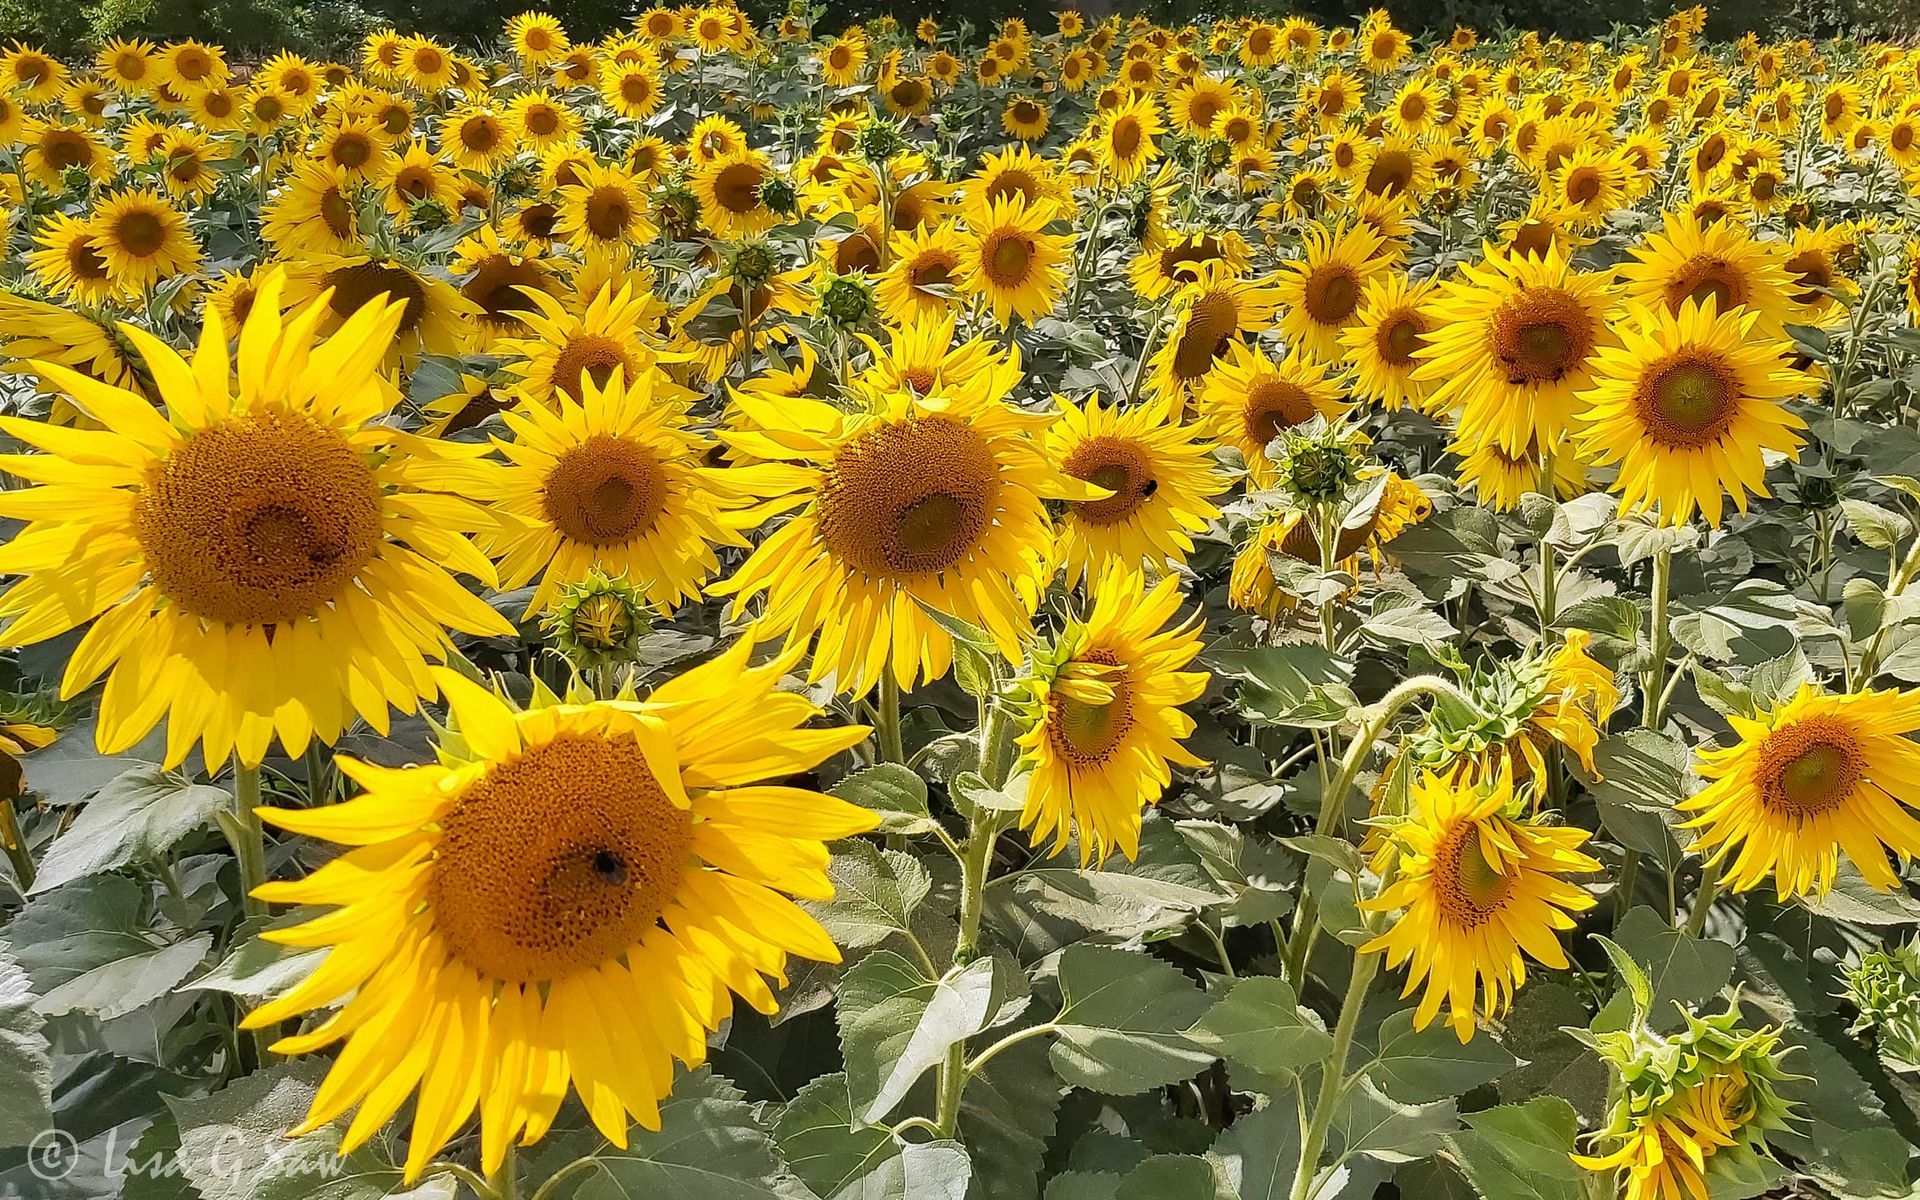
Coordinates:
1306 924
1653 686
887 720
249 841
550 1188
506 1181
1333 1075
1703 899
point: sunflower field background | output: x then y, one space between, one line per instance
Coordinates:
1218 611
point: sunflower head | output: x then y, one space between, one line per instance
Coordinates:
1319 461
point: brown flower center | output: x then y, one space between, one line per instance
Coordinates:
911 497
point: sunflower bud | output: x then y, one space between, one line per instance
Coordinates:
880 141
1318 462
778 194
752 263
847 301
598 622
1885 987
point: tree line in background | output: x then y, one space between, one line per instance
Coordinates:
324 27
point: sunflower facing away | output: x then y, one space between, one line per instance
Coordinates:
1809 779
1688 405
571 895
614 483
1103 725
263 560
918 503
1480 890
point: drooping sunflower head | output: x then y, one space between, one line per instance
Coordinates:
1521 708
585 884
1480 890
1101 716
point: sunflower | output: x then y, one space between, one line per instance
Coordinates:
1813 272
1512 345
1676 1152
1723 262
417 181
67 265
357 147
1500 479
602 341
91 344
660 24
1018 171
1251 399
924 259
1159 477
1195 103
257 565
1480 890
1589 184
130 65
633 89
729 192
913 506
840 61
1319 294
1390 325
475 139
1382 47
143 239
1025 118
920 357
1157 271
1124 137
606 209
570 894
34 75
538 39
54 149
713 138
613 482
187 158
1810 779
1688 405
433 320
1210 317
427 66
1010 262
190 66
498 277
1103 725
314 213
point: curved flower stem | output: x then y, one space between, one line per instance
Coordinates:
1306 926
1704 898
548 1189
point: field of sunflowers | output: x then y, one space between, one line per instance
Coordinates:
749 612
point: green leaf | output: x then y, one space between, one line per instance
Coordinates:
1556 1063
874 897
1301 684
257 970
709 1147
1260 1024
894 792
1258 1157
26 1068
1422 1065
1256 872
1752 621
136 817
973 795
1042 910
1520 1151
1123 1017
1169 1177
1641 776
1372 1122
896 1024
1632 974
1876 527
818 1138
1007 1114
233 1145
1399 619
1680 967
87 949
1863 604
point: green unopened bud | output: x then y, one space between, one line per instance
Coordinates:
598 622
752 263
847 301
879 141
778 194
1885 988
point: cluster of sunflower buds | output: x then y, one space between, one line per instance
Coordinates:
1885 987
